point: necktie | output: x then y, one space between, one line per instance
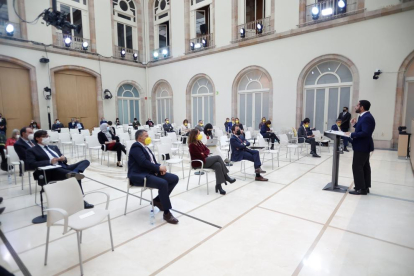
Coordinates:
54 155
30 144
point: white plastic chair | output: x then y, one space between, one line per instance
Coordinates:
143 188
167 141
78 141
219 132
54 137
262 143
284 142
319 138
64 139
108 152
163 150
123 137
73 131
200 170
224 144
85 132
66 208
64 130
92 143
13 161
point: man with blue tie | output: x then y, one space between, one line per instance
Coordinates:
362 145
43 154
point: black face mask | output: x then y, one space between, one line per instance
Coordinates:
238 132
344 110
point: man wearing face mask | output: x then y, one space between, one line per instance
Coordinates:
135 123
57 125
79 125
227 127
102 121
345 118
167 126
149 123
72 124
303 136
239 151
24 143
143 165
44 154
200 126
3 124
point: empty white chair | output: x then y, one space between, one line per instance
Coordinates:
163 152
204 138
123 137
64 140
224 144
219 132
54 137
248 136
284 142
73 131
66 208
319 138
64 130
85 132
92 143
13 161
78 141
167 141
263 143
174 140
96 129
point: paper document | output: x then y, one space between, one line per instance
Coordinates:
50 167
88 214
340 133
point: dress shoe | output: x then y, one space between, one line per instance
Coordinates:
1 199
170 218
365 190
2 209
230 179
87 205
218 188
260 178
315 155
358 192
78 176
259 170
158 205
345 149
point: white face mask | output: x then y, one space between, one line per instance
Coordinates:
57 122
46 141
30 137
17 136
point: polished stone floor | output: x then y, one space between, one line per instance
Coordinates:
287 226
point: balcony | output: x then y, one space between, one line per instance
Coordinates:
76 42
161 53
3 25
203 42
129 53
330 9
251 28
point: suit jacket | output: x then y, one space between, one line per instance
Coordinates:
362 136
72 125
3 123
238 145
150 123
302 134
101 122
198 151
76 126
136 124
227 126
168 127
335 127
346 119
57 126
140 165
264 129
21 148
36 157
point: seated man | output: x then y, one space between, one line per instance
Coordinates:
44 155
345 140
57 126
72 124
142 164
135 123
79 125
200 126
304 137
24 143
149 123
167 126
227 125
239 151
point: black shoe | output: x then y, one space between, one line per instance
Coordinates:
218 188
87 205
119 164
358 192
78 176
315 155
1 199
229 179
345 149
2 209
368 191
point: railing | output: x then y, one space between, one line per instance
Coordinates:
196 44
75 43
129 53
329 9
161 53
3 25
251 30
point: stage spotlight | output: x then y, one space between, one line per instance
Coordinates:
376 74
123 52
242 33
315 13
259 28
10 29
135 55
192 46
197 46
85 45
68 41
165 53
155 54
204 42
341 6
327 11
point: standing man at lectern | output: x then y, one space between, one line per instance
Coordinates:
362 145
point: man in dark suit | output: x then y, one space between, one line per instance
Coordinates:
57 126
345 118
79 125
72 124
44 154
303 136
150 123
239 151
362 145
24 143
167 126
142 164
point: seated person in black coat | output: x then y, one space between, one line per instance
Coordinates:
44 154
24 143
167 126
208 131
136 123
109 142
79 125
142 164
303 136
149 123
72 124
57 126
266 132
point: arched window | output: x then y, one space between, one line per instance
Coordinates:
327 90
253 98
125 27
202 101
164 103
128 104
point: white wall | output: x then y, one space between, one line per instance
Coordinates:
286 15
378 4
103 28
223 22
177 28
286 58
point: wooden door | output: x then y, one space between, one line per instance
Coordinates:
15 96
76 97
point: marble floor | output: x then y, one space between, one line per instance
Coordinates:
287 226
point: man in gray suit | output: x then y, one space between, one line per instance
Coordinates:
304 137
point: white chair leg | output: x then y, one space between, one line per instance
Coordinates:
188 181
126 201
206 179
182 167
80 239
140 200
152 200
30 183
80 254
110 232
47 244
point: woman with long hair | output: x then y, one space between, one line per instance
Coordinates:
266 132
199 151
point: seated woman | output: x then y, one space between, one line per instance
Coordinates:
109 140
267 133
208 131
117 123
262 122
34 125
13 139
185 131
199 151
